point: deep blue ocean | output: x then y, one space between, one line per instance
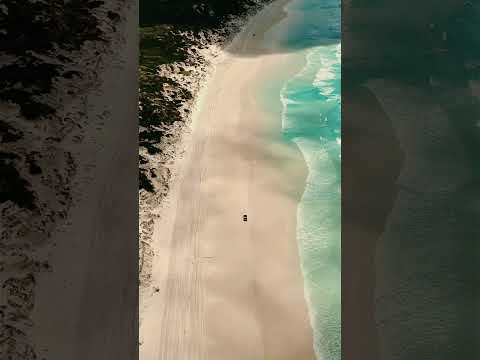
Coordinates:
310 101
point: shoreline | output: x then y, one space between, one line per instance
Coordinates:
204 51
218 277
157 208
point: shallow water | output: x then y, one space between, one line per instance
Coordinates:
310 112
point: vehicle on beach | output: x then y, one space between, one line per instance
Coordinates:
244 217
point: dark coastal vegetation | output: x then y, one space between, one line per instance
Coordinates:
163 25
33 30
39 40
43 45
192 13
158 45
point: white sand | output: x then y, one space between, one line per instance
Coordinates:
230 289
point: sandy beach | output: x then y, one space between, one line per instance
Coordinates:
225 288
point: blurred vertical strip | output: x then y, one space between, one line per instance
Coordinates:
68 179
410 179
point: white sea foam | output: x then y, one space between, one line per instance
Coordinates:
310 111
326 75
284 101
318 210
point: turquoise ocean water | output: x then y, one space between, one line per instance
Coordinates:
310 101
